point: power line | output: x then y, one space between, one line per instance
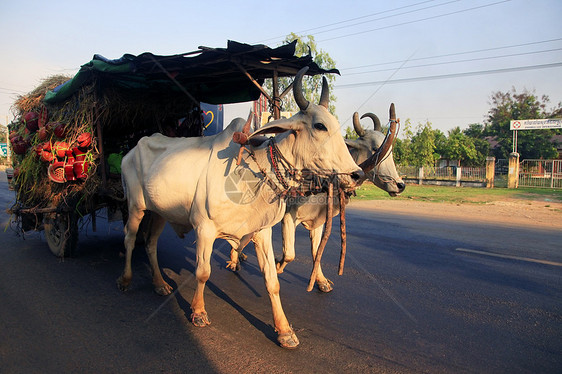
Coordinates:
415 21
459 61
384 18
349 20
455 75
384 82
11 90
455 54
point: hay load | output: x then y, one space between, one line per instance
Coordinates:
52 145
60 154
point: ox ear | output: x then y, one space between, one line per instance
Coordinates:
277 127
350 143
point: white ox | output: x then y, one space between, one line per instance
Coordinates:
185 181
310 211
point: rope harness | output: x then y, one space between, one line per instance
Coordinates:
307 183
292 182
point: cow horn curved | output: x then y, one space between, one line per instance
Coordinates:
297 89
325 95
357 126
376 120
377 157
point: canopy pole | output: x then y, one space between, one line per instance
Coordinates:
182 88
264 93
276 98
287 90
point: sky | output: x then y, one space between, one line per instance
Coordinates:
439 61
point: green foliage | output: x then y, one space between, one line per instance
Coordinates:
423 146
401 151
475 131
456 195
312 86
350 133
416 149
531 144
467 150
470 146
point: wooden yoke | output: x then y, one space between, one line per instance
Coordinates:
242 137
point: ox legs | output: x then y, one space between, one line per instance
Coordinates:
266 260
131 228
236 254
155 229
205 238
288 226
323 283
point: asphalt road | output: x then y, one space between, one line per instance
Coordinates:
417 295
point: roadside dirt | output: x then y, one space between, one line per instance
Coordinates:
509 212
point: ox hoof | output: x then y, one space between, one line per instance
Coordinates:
288 339
200 319
123 284
234 266
163 290
279 267
325 286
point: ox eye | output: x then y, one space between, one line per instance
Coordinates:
320 126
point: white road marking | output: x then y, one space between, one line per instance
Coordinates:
526 259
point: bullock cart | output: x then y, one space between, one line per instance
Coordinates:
70 133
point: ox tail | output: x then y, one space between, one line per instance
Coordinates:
124 184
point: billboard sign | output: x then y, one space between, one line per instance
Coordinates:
213 117
3 149
535 124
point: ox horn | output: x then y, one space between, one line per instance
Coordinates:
297 89
357 126
325 95
375 119
377 157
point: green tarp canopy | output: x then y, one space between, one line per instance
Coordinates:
211 75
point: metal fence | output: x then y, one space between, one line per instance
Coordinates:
408 171
540 173
450 175
444 173
473 173
501 170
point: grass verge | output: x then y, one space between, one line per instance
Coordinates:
459 195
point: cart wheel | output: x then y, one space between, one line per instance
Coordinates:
61 231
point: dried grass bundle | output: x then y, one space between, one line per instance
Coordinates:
124 116
34 99
35 189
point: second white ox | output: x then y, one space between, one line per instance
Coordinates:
310 211
187 182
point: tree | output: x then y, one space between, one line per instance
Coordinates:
463 148
401 151
440 143
312 86
416 149
350 133
513 106
474 131
423 146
